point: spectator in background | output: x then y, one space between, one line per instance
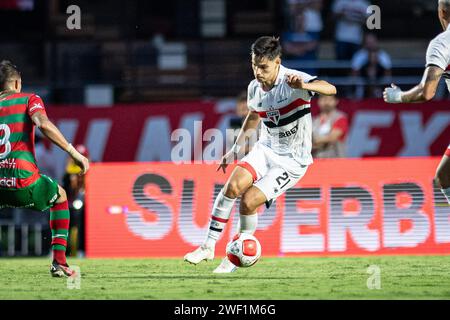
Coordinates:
241 111
329 129
371 63
74 184
350 17
301 41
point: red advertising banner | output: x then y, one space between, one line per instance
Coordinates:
341 207
144 132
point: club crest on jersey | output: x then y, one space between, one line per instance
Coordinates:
273 115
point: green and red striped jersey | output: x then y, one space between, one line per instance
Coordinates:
18 167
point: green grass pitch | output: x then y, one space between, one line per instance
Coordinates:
402 277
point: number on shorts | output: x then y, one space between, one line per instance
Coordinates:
284 178
4 141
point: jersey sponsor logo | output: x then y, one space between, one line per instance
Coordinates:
282 100
36 106
8 164
8 182
288 133
273 116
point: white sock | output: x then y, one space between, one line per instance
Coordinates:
219 218
446 193
248 223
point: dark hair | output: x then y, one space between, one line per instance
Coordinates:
266 47
7 72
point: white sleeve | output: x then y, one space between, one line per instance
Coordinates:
306 77
251 97
438 53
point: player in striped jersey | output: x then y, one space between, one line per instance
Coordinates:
21 184
280 99
437 67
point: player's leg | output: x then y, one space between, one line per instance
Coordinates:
240 180
48 194
248 170
251 200
271 186
59 225
264 191
443 175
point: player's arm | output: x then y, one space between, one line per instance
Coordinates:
52 132
250 123
423 92
317 86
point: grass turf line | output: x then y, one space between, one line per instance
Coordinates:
402 277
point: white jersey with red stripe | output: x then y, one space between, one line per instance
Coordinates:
438 53
285 113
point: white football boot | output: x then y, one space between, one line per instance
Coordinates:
225 266
200 254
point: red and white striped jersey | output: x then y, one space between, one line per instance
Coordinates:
285 114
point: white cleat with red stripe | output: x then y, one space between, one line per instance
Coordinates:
200 254
225 266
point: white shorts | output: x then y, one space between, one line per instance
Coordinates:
272 174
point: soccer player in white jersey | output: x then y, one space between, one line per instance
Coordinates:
437 63
280 98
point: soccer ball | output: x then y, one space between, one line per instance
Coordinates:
244 250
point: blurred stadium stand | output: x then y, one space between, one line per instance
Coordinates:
147 52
